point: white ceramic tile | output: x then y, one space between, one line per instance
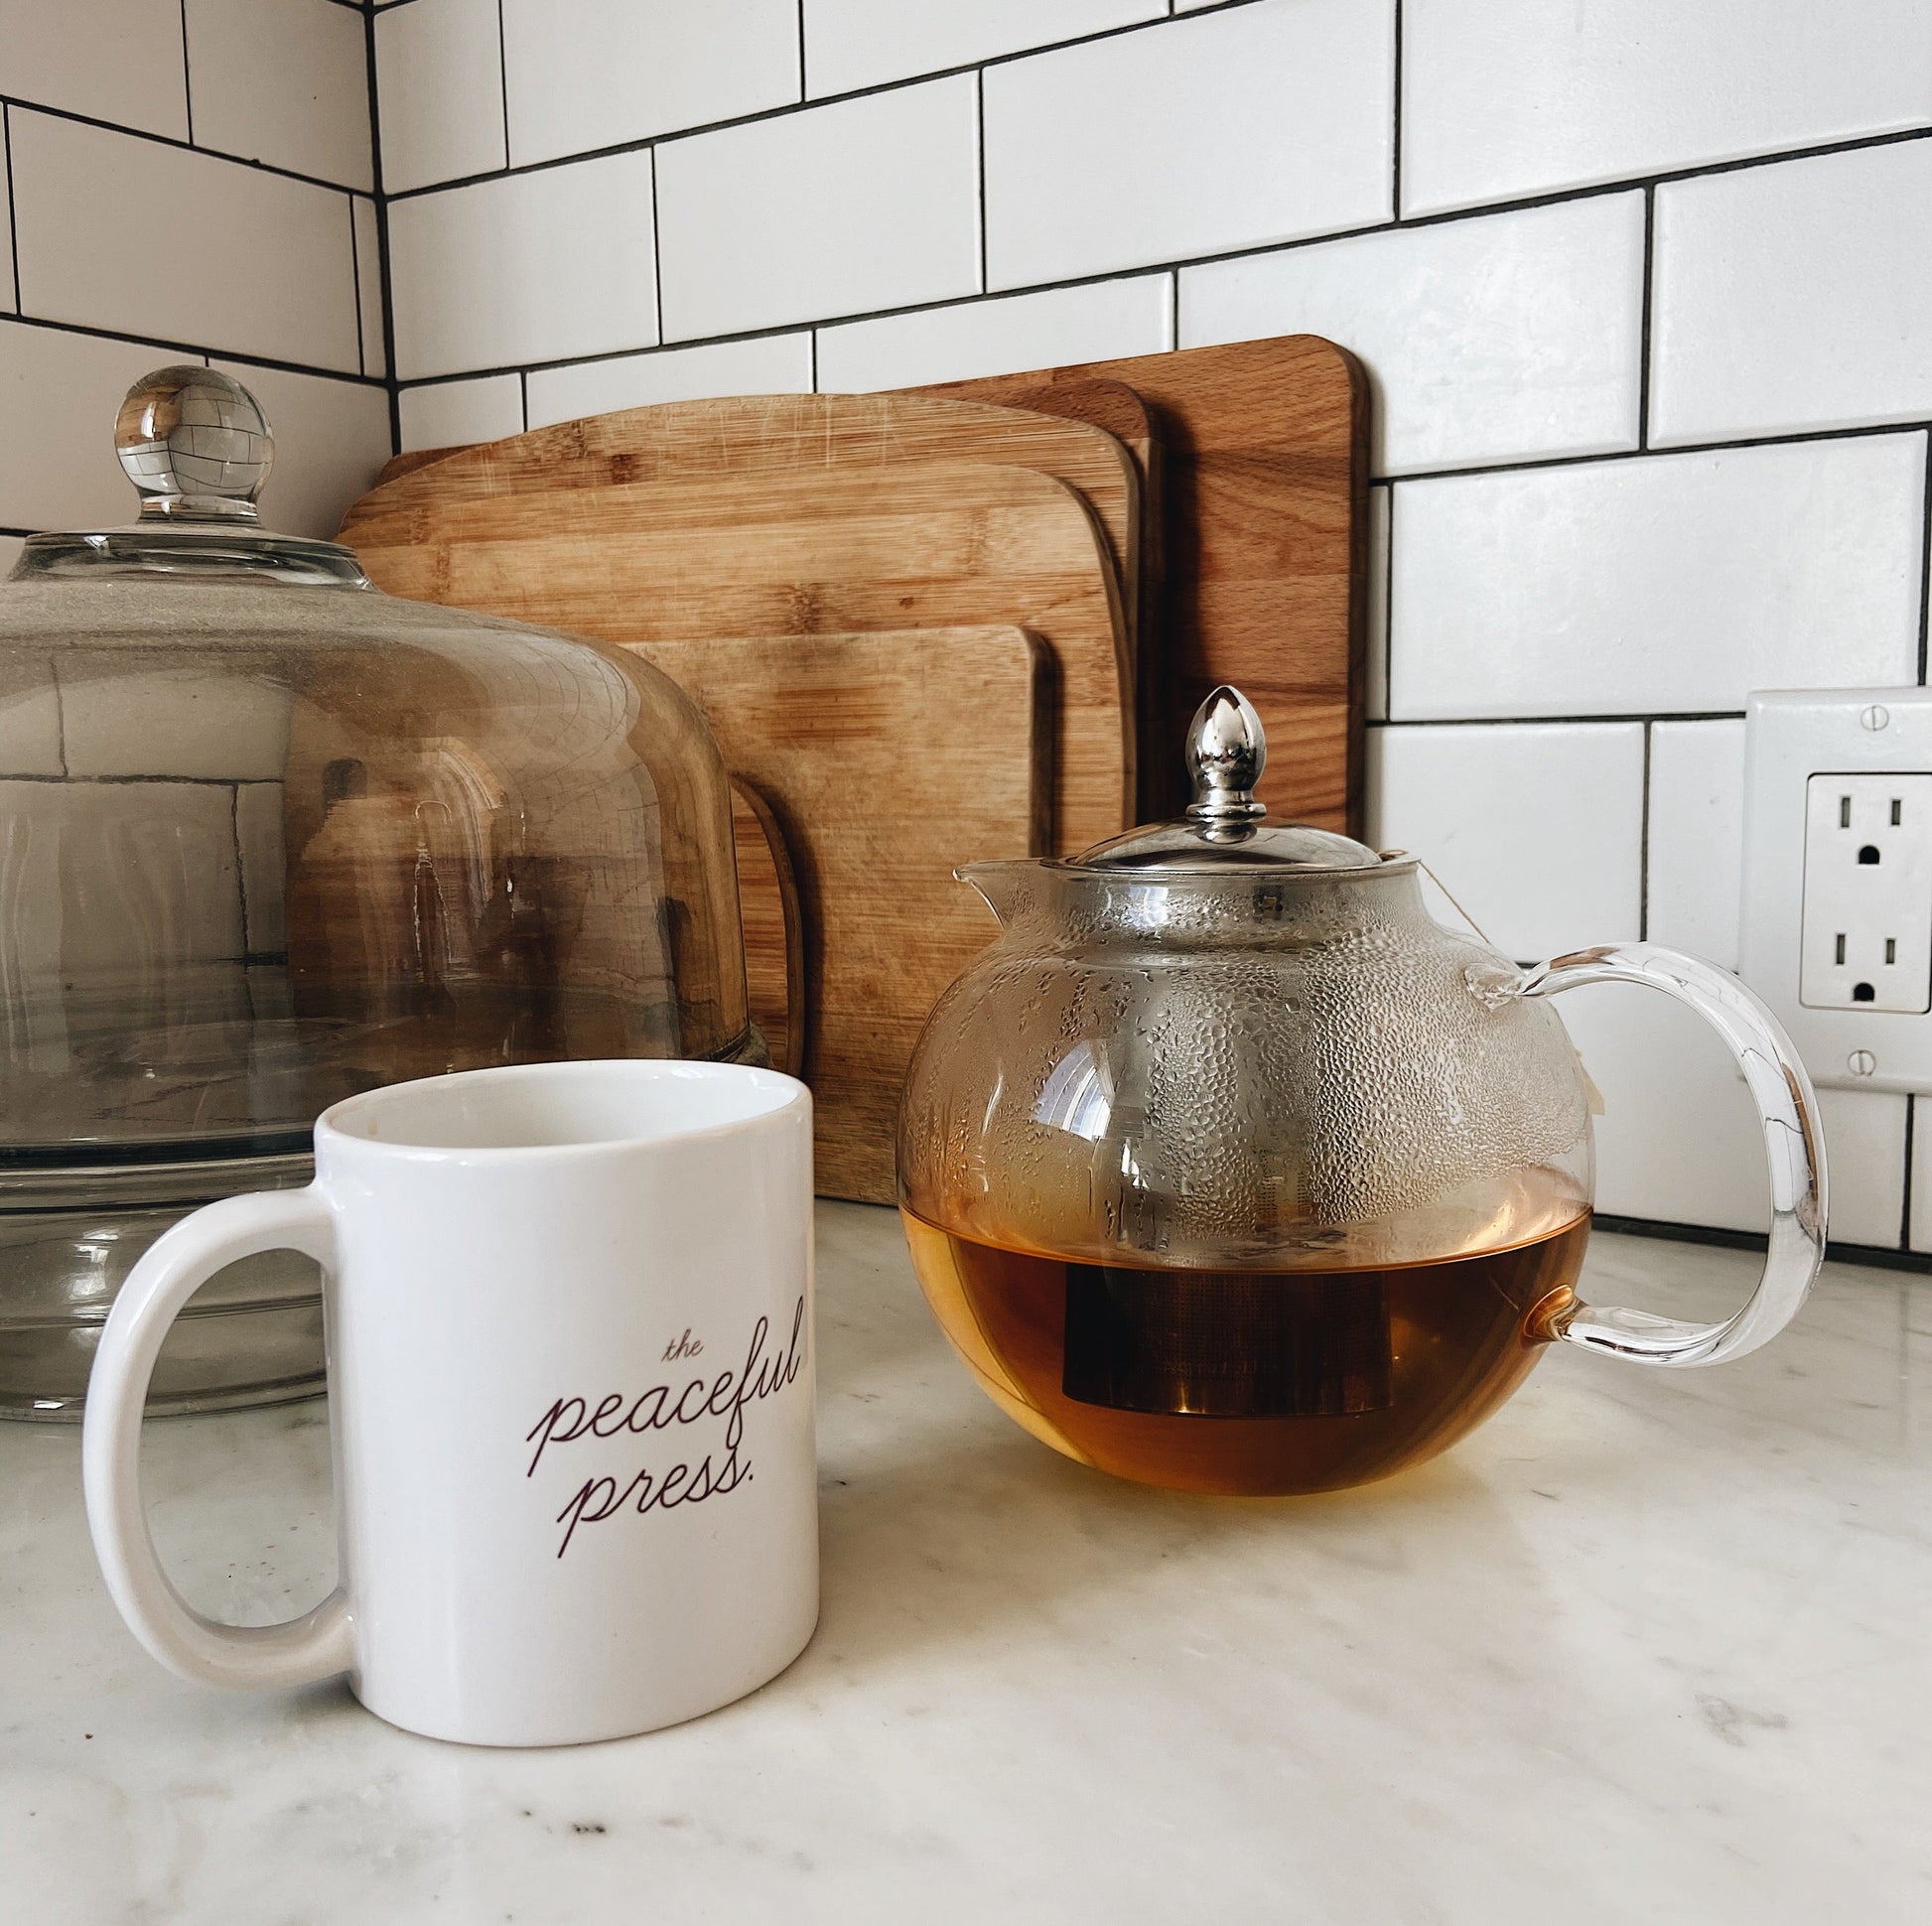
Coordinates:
864 204
1007 335
451 414
284 81
264 863
1678 1141
172 723
1378 602
768 364
10 547
7 303
369 288
30 714
1697 837
1509 97
114 59
228 256
1865 1147
109 874
1261 123
1488 339
860 43
58 395
1673 582
1535 830
1921 1232
439 90
331 438
589 74
1794 296
533 267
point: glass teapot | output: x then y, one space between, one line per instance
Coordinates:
1227 1168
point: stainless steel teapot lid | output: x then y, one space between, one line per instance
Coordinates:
1225 828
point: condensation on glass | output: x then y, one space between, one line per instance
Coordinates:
1226 1167
269 837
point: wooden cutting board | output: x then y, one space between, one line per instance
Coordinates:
1265 573
818 728
773 926
919 545
805 433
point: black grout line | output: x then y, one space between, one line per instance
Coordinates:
1925 564
656 257
1174 308
1395 136
1644 716
380 203
1905 1203
1643 317
812 349
1387 610
523 399
178 146
504 87
979 146
1643 846
186 78
804 91
355 282
13 212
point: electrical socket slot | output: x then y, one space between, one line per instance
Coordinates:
1866 933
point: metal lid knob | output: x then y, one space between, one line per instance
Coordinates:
1227 751
195 444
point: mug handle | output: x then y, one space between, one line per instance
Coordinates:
1793 1149
180 1260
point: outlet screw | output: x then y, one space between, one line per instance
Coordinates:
1877 716
1861 1063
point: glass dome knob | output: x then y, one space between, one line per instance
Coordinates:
1227 751
195 444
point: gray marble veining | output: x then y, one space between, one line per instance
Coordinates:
1649 1646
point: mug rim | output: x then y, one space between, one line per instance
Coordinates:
328 1128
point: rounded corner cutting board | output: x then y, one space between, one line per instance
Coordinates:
854 745
1265 570
904 547
804 434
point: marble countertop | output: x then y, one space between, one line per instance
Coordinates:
1649 1646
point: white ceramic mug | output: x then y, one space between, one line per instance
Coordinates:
569 1318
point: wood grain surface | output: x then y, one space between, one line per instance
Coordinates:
809 434
775 927
853 740
920 545
1265 570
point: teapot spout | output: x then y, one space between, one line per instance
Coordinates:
1002 885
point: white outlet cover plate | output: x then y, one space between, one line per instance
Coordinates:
1790 737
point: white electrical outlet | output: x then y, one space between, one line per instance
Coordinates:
1836 926
1866 935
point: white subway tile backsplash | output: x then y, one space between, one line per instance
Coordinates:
1921 1222
589 74
1536 831
862 42
1504 98
368 289
1697 837
30 712
860 205
1008 335
58 395
1672 583
1377 700
767 365
532 268
451 414
115 721
1865 1147
111 59
331 438
438 91
1496 340
258 827
1256 124
284 82
1794 296
181 246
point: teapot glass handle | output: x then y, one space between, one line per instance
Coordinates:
1793 1149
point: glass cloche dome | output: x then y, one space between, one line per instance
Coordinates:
267 837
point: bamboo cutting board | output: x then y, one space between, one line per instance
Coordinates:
913 546
1266 565
855 742
802 435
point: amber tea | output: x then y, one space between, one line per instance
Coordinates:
1249 1381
